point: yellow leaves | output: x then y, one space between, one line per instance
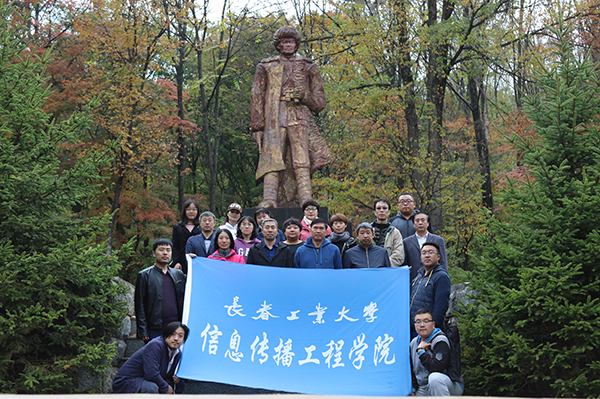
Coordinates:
122 40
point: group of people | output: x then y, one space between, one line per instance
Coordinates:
406 239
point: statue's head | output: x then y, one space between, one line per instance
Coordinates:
286 32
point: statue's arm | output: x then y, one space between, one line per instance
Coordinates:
314 98
257 99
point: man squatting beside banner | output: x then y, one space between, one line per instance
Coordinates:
329 332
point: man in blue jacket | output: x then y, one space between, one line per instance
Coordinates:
318 252
152 368
366 254
431 288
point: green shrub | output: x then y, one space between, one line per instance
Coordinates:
57 298
534 328
57 311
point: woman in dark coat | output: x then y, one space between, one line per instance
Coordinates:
340 237
189 225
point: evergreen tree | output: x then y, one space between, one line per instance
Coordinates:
534 327
57 297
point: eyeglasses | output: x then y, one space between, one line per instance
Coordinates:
310 208
430 252
422 322
405 202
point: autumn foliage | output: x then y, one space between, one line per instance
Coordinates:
138 105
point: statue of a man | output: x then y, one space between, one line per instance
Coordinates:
286 89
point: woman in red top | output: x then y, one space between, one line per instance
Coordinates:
225 244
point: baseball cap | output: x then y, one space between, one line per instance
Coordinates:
235 206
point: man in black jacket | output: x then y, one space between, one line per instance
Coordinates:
269 252
386 235
159 292
404 220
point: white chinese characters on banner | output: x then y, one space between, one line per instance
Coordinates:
282 354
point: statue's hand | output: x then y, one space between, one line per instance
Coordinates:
298 93
258 137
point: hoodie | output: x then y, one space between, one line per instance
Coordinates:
327 256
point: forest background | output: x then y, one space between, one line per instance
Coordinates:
134 106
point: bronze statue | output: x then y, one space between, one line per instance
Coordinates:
286 88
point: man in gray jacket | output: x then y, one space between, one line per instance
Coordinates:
413 244
433 371
366 254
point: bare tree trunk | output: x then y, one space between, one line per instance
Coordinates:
181 153
210 104
476 94
519 80
204 113
436 88
116 203
438 69
407 80
477 106
115 210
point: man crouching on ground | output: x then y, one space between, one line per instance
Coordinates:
433 372
151 369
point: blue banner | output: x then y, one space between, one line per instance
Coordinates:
326 332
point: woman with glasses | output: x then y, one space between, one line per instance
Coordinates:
311 212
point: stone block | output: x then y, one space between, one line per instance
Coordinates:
126 327
129 295
215 388
121 348
109 377
133 345
459 296
87 382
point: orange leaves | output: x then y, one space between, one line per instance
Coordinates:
145 215
505 134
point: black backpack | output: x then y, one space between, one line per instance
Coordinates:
453 336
